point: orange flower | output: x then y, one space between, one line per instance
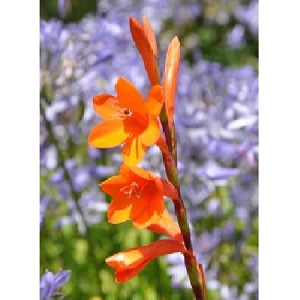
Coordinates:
130 262
127 118
137 195
170 77
166 225
144 38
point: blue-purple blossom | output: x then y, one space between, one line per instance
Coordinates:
236 37
215 172
44 201
248 15
51 282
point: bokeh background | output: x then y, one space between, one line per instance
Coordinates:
84 47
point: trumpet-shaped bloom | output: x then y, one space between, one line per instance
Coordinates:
130 262
145 41
128 119
137 196
170 77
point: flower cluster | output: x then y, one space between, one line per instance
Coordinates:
128 119
76 61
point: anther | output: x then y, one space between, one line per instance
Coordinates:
131 190
127 112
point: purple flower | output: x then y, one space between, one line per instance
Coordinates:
50 283
215 172
57 177
43 206
102 171
248 15
236 37
80 179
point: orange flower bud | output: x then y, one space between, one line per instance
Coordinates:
130 262
170 77
144 40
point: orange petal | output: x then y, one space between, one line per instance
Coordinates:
131 257
129 97
142 218
140 37
139 172
115 215
150 209
133 151
155 200
123 276
106 106
170 76
162 247
152 133
166 225
113 184
125 171
136 123
169 190
155 100
109 133
150 35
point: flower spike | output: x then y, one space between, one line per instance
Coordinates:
144 39
170 77
129 263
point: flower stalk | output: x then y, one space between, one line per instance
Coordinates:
137 193
170 163
146 44
180 211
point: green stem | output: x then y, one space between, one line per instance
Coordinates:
75 197
170 162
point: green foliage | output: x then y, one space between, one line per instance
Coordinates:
211 37
65 248
75 9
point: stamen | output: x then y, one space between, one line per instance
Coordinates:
120 115
131 190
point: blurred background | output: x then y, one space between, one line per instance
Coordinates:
84 47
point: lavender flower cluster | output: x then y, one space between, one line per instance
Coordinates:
216 120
